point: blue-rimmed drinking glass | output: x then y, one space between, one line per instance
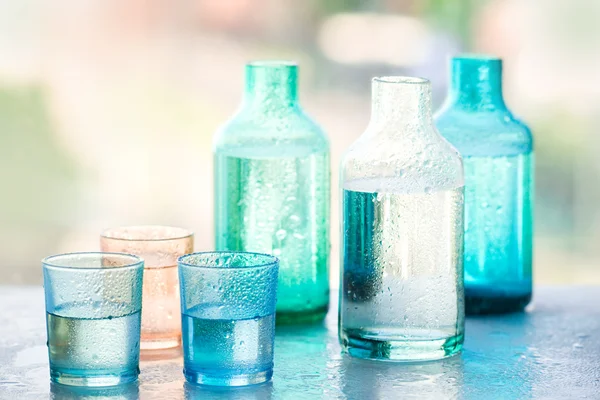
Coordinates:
93 308
228 317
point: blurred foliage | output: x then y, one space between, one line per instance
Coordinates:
454 16
326 7
555 170
165 82
34 167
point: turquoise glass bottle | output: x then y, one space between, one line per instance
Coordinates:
272 188
497 151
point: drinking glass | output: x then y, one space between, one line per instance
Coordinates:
93 308
228 317
160 247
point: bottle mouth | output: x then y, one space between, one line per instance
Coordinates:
276 80
477 57
410 80
272 64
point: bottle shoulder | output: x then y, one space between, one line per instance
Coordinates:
416 162
293 128
486 133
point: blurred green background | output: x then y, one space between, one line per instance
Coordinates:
107 107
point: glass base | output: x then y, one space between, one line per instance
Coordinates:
199 378
62 392
94 380
160 354
160 344
401 350
302 317
478 304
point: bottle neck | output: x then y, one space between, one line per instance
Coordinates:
401 100
476 83
271 85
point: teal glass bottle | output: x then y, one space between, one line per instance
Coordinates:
272 189
497 151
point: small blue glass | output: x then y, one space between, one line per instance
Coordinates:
228 317
497 151
93 309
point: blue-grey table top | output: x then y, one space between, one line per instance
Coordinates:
550 352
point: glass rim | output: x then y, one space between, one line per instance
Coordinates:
137 262
114 233
273 261
401 80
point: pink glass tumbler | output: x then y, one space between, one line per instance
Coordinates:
160 247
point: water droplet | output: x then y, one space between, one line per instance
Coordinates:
281 234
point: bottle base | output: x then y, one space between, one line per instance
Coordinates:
401 350
479 305
301 317
200 378
104 380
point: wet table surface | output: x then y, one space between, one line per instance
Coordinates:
550 352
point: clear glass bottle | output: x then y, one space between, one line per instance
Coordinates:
401 295
272 189
497 150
